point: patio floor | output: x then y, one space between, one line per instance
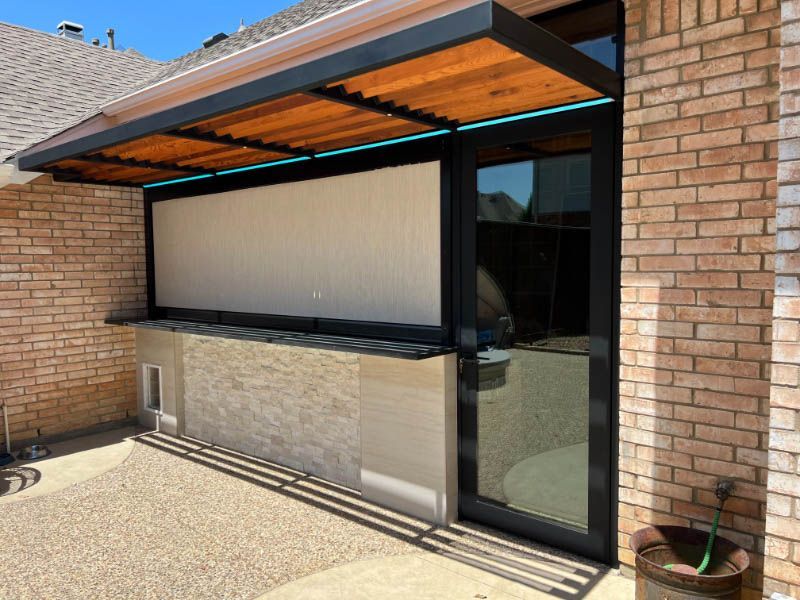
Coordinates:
182 519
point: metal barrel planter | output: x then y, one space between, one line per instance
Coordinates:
676 547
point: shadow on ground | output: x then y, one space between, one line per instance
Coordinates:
467 543
18 479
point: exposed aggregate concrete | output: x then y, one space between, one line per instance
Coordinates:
181 519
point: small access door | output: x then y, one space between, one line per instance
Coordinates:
537 336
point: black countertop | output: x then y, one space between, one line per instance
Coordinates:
340 343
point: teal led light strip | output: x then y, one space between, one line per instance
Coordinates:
400 140
536 113
408 138
181 180
274 163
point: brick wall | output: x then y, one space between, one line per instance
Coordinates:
782 562
699 169
70 256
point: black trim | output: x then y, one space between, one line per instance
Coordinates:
150 268
268 321
339 343
486 19
399 332
599 541
228 140
389 109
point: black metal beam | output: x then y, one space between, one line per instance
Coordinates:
140 164
390 109
228 140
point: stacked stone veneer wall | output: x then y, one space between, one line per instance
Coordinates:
698 217
298 407
71 255
782 564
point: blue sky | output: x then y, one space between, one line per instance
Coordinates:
160 29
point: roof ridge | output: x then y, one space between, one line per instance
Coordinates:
58 39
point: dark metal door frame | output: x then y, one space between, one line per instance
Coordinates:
599 542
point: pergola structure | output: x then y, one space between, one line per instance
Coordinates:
479 63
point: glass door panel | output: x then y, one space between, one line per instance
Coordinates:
533 250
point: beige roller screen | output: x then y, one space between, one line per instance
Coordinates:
363 246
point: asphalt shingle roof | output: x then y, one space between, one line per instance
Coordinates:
290 18
47 82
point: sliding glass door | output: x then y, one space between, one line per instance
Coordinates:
537 328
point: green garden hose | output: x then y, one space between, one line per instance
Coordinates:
710 545
724 489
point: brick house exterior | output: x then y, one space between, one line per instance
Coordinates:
710 283
782 561
72 255
708 363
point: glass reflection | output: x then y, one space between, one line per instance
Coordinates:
534 225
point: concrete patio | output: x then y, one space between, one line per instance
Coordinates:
148 516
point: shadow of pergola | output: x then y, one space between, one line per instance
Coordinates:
498 554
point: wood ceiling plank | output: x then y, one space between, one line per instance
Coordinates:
399 130
503 101
254 112
88 168
314 125
511 109
424 69
320 109
378 130
173 152
251 158
116 173
517 71
158 148
146 148
319 126
231 154
209 154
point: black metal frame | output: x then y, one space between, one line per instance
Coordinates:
599 542
484 20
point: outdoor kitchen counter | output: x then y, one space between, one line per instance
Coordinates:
341 343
